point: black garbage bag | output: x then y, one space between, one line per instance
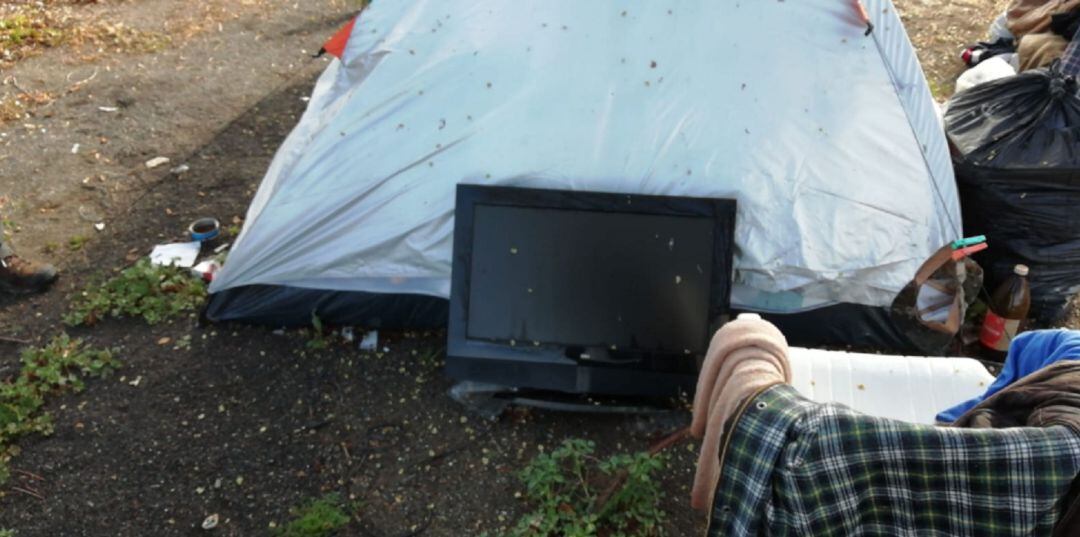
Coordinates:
1016 150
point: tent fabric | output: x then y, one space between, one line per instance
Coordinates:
825 135
335 46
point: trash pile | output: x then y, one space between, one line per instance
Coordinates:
203 232
1014 132
1029 35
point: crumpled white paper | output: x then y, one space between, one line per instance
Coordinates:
180 254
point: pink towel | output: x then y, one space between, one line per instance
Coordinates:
744 357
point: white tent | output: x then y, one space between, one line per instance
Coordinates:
826 135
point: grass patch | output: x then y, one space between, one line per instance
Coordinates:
567 489
119 37
317 518
153 292
28 29
53 369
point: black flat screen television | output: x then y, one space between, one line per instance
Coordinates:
586 292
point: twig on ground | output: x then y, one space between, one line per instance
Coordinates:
419 529
15 82
28 493
669 440
449 451
17 341
622 475
78 84
31 475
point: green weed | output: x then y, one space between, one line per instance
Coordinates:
183 344
566 487
231 231
317 518
55 368
7 228
153 292
77 242
319 338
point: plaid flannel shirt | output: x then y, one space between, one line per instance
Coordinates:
790 466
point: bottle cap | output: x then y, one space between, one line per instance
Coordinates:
1021 270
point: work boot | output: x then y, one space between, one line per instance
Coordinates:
19 276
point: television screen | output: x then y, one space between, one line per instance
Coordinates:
586 292
592 279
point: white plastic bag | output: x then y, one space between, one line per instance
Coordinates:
999 29
991 69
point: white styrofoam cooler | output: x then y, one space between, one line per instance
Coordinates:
908 388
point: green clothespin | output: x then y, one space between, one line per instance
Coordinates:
969 241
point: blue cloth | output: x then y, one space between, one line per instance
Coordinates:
1028 353
1070 60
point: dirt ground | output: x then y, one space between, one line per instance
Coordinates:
246 423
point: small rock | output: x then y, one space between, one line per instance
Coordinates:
180 169
136 382
210 522
109 109
100 226
164 341
156 161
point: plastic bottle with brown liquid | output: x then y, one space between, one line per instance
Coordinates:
1008 310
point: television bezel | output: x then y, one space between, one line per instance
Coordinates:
548 367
